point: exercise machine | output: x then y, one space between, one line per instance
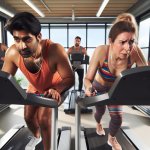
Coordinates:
12 93
76 60
2 106
131 87
2 54
143 108
18 96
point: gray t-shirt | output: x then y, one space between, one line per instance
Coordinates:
77 64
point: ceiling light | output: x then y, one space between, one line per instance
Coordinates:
46 6
33 6
73 15
101 8
7 12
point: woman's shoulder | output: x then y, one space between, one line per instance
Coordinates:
102 49
100 53
135 51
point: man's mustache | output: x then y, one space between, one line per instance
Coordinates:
26 52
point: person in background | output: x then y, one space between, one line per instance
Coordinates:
107 62
46 66
77 49
3 49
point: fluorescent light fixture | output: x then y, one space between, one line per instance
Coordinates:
46 6
7 12
101 8
33 6
73 15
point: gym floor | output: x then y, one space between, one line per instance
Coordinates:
138 122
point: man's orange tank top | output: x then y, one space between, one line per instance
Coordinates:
43 79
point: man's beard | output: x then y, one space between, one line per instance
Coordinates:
76 45
26 53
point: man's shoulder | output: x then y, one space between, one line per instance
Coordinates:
12 51
55 49
71 47
47 42
83 48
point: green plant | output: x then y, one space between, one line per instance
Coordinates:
18 79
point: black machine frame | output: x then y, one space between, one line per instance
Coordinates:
131 87
17 95
76 59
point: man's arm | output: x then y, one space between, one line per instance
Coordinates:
64 69
69 51
84 51
10 63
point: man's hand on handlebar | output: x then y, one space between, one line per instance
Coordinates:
52 93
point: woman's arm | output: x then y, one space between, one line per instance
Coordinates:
92 69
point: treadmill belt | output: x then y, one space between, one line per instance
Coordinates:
20 140
145 109
3 106
96 142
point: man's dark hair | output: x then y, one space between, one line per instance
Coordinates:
78 37
24 21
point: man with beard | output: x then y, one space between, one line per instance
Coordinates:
77 49
46 66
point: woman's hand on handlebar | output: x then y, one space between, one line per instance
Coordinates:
90 92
